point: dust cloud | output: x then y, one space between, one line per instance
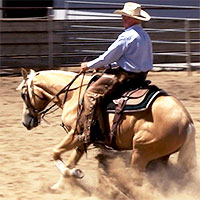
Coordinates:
117 181
162 183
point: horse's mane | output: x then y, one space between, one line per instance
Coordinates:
32 74
57 71
60 72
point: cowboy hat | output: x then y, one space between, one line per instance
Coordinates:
133 10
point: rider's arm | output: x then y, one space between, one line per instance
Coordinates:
114 52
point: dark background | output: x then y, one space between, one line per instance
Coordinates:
177 13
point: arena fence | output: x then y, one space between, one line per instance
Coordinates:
53 42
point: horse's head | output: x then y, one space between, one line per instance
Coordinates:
34 100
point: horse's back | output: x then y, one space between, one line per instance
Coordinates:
170 110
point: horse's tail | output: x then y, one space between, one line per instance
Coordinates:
187 158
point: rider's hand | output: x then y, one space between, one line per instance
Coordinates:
84 66
97 70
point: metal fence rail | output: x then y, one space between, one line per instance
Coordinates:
48 42
83 33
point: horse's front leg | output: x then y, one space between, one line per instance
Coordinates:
70 142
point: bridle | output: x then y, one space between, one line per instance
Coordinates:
27 100
34 112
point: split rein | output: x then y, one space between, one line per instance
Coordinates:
65 90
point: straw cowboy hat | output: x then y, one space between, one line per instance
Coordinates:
133 10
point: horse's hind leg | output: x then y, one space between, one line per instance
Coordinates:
187 158
165 159
139 160
143 156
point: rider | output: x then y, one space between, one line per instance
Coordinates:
131 51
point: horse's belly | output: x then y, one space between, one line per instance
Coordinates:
125 134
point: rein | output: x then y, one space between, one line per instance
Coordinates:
65 90
44 112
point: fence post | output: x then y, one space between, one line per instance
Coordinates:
0 40
50 38
188 46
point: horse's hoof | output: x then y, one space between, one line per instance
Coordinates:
77 173
52 189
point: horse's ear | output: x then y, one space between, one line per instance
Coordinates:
32 71
24 73
20 85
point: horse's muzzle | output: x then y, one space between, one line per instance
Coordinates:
30 122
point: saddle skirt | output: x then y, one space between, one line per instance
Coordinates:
135 100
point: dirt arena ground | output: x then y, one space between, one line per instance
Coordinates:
27 169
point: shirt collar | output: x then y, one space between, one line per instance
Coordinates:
133 27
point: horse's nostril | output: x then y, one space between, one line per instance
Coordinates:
24 124
28 127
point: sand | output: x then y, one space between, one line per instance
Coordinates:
27 169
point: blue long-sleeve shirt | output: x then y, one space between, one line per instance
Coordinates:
132 51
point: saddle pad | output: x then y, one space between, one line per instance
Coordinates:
139 100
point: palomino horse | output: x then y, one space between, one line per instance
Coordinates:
166 127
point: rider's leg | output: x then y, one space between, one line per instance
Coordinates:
98 91
93 97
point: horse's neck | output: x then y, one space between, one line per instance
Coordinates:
53 83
